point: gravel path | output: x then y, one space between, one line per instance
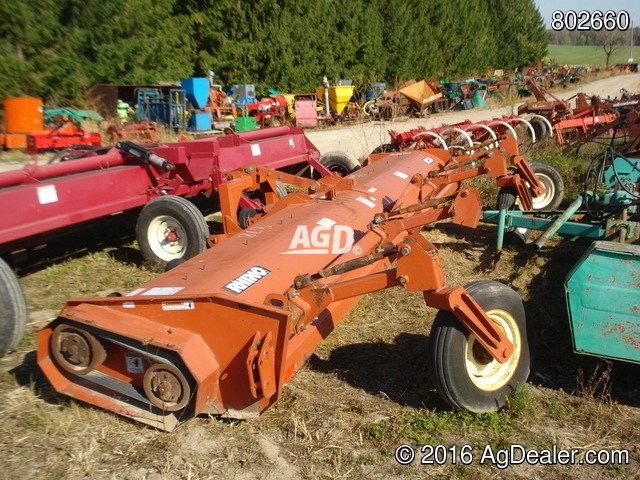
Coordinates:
360 140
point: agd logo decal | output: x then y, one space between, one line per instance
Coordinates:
326 237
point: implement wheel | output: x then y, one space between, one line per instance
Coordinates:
171 227
386 148
13 309
539 128
465 374
553 184
338 162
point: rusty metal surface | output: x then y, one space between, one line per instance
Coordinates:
603 298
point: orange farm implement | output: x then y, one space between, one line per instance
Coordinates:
224 332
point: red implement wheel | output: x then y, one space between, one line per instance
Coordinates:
171 227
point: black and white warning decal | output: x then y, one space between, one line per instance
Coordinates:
248 278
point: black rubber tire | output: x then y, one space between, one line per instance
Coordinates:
338 162
539 128
180 212
549 177
13 309
245 214
171 264
507 197
386 148
281 191
449 344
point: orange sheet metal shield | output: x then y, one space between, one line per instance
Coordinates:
160 367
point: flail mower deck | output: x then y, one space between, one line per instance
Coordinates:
224 332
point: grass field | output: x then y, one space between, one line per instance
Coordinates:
589 54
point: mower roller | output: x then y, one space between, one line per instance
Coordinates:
223 332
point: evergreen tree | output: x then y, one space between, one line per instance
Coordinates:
520 36
58 48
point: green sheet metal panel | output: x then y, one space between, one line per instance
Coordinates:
603 298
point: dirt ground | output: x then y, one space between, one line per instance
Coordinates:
365 391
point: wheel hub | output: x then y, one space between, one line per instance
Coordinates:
167 238
75 349
541 201
484 370
171 236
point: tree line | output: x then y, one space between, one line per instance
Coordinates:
56 49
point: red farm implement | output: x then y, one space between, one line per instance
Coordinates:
60 137
466 135
579 116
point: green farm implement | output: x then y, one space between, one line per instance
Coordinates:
603 287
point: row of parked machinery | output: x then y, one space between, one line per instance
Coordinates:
224 328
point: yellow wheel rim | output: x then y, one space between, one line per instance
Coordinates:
486 372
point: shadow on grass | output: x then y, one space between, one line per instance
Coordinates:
398 371
28 374
111 234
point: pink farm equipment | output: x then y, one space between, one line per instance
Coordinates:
157 181
466 136
224 332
